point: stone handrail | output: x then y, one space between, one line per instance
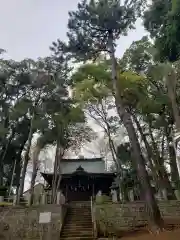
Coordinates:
93 219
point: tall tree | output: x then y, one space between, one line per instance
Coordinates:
14 81
38 89
152 105
93 28
165 29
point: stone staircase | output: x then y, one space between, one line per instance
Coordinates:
78 223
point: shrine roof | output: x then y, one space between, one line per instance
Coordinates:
104 175
81 159
82 173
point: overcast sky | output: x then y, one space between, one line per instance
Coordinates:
28 27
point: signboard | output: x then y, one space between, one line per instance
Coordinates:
45 217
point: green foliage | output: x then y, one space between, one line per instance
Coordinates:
90 26
93 92
36 93
138 56
155 16
124 154
132 87
93 83
162 21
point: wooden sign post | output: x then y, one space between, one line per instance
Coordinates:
45 218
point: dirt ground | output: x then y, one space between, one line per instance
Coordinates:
167 235
171 232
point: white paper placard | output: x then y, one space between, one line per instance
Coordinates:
45 217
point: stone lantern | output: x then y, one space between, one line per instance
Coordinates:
114 193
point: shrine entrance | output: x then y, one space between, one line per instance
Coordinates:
79 189
81 185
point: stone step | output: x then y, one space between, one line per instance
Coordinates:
80 222
74 218
77 225
77 229
76 234
78 217
79 213
80 209
76 238
70 218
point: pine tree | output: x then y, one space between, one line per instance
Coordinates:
92 29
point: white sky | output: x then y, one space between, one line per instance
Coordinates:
28 27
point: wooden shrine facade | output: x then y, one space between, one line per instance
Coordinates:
81 185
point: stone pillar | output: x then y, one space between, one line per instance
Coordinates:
29 200
114 196
164 193
120 194
131 195
58 200
14 200
63 199
99 194
43 198
1 198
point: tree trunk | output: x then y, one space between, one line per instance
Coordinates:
3 155
5 146
172 160
171 87
159 172
154 216
12 178
25 164
162 173
18 175
35 157
148 149
33 180
113 149
54 180
1 173
171 83
56 172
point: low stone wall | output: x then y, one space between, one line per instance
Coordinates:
23 223
114 217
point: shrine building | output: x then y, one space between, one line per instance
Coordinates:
82 178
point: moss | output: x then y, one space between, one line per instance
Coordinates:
102 199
